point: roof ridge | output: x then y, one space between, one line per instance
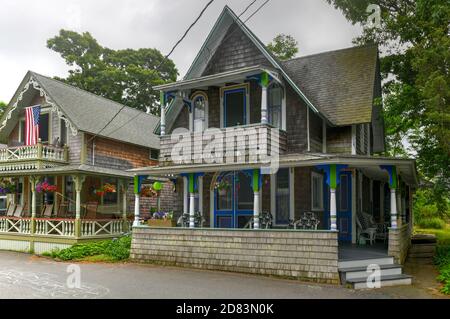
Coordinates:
93 94
331 51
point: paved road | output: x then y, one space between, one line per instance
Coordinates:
26 276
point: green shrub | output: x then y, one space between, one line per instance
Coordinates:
432 223
116 249
442 260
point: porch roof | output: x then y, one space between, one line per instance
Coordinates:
406 168
217 79
69 170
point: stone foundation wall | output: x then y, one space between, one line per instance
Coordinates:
399 243
304 255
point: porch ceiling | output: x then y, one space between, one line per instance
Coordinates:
217 79
406 168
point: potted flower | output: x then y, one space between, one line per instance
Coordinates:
6 187
162 219
222 187
107 188
148 191
45 187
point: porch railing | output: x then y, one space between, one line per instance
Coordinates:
28 157
64 227
101 227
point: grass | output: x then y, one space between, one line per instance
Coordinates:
97 251
442 258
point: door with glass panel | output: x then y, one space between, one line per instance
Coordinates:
235 107
233 200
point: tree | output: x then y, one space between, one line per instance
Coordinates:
284 47
414 38
125 76
3 106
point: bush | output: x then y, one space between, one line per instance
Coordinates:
116 250
442 260
432 223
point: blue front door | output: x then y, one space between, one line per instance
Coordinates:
233 206
344 207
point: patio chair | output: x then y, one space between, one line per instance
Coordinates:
364 230
63 210
19 211
47 211
11 209
381 228
309 221
90 210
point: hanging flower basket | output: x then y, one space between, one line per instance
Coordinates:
222 187
45 187
148 191
107 188
7 188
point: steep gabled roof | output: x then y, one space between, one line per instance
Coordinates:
90 113
340 83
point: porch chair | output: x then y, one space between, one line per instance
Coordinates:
47 211
90 210
19 211
381 228
63 210
309 220
11 209
364 229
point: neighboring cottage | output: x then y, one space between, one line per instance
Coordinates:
84 151
258 143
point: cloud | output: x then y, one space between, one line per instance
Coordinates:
26 25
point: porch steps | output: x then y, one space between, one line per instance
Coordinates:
354 273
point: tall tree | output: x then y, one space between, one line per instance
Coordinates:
414 39
125 76
2 108
283 46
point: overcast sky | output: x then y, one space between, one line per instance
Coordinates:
27 24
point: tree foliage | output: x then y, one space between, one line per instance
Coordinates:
284 47
413 36
125 76
3 106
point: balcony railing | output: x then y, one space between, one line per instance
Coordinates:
242 144
32 157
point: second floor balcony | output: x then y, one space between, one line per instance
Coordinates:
32 157
255 143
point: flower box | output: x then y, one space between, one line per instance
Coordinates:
161 223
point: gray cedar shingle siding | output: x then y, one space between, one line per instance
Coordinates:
296 124
237 51
339 83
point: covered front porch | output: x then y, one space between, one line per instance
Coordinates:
60 206
366 200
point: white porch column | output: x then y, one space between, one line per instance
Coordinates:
264 117
185 196
79 180
192 210
256 209
136 209
393 208
333 209
33 200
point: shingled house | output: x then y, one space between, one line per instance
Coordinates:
86 145
282 162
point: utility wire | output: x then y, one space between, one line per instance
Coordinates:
157 68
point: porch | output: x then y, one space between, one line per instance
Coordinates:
60 206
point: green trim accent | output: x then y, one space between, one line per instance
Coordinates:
333 176
191 183
136 185
256 176
162 98
265 79
394 184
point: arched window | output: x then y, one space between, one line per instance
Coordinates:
199 112
275 99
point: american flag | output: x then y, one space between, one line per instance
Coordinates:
32 115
